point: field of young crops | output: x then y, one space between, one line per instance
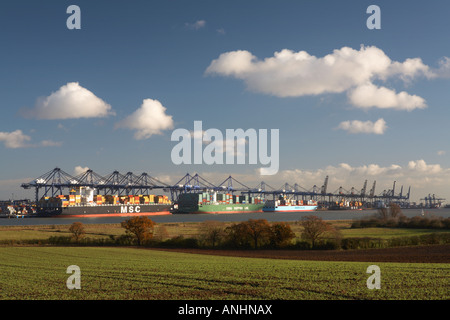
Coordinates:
132 273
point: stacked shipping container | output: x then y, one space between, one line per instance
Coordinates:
74 200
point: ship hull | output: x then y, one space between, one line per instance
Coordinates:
83 211
290 209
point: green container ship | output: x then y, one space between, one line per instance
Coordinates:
218 203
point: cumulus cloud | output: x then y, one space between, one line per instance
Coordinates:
294 74
149 119
71 101
422 177
417 168
357 126
235 63
444 68
79 170
342 173
422 166
410 68
17 139
369 95
196 25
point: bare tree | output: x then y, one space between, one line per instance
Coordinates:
314 228
259 231
383 213
77 229
395 210
212 232
160 233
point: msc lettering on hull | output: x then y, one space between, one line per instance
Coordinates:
130 209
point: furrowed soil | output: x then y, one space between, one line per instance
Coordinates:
419 254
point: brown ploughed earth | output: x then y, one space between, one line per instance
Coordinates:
423 254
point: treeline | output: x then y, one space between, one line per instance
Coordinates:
372 243
404 222
393 217
140 231
295 244
316 234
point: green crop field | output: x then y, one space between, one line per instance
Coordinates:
133 273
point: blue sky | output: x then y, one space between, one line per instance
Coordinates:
126 52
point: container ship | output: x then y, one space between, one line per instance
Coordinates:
86 204
14 209
289 205
346 205
214 203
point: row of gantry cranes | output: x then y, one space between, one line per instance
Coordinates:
57 182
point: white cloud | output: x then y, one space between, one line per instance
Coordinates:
418 168
218 144
368 95
196 25
357 126
343 173
444 68
149 119
422 177
221 31
422 166
71 101
79 170
294 74
50 143
441 152
235 63
15 139
410 68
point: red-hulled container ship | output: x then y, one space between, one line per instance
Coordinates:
86 204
